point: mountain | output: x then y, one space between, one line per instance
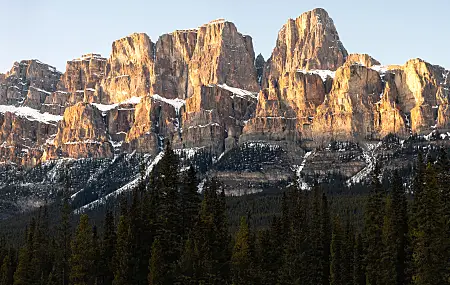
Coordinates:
311 109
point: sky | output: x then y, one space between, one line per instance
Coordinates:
55 31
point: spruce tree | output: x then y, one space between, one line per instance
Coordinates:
389 254
121 261
188 262
241 259
108 247
24 271
170 229
359 274
21 275
395 233
210 237
373 224
158 267
337 258
82 260
296 253
190 201
429 234
7 270
326 240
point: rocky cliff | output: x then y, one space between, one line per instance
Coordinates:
204 90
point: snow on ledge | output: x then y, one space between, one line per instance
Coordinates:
324 74
238 91
31 114
108 107
176 103
380 68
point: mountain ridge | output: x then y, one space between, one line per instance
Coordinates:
205 91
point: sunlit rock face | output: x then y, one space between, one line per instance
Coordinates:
204 89
309 42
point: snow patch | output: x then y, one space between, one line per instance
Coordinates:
301 182
31 114
369 157
176 103
41 90
108 107
127 187
380 68
237 91
324 74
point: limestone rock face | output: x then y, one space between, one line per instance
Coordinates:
81 133
130 69
222 56
214 118
22 138
83 77
347 111
363 59
286 108
173 55
203 89
423 94
28 83
309 42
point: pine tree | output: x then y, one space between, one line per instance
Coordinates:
82 260
241 259
41 259
157 267
373 225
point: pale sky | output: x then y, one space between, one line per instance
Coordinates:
55 31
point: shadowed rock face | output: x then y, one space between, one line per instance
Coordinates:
203 88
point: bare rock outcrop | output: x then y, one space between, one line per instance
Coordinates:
130 69
347 112
173 55
223 56
309 42
22 138
81 133
214 118
363 59
83 77
28 83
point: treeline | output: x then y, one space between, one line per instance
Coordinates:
168 233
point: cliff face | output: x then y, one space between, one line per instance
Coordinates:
203 89
130 69
309 42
